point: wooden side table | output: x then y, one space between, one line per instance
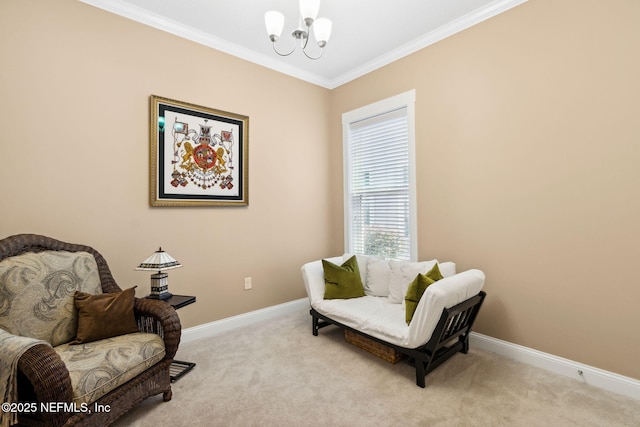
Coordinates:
179 367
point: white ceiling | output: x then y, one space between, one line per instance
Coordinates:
367 34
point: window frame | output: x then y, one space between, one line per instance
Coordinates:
388 105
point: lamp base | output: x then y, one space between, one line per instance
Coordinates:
160 286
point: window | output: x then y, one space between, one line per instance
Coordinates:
379 172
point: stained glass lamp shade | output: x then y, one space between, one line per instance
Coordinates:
159 261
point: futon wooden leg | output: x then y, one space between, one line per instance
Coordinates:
166 396
465 343
420 373
314 325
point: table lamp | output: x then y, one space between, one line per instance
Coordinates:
159 261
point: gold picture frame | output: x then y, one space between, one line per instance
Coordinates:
198 155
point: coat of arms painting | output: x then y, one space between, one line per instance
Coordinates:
199 155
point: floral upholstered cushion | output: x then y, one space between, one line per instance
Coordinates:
36 293
98 367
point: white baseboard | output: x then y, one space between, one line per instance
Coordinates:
246 319
588 374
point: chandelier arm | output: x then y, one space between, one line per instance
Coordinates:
306 39
283 54
304 48
313 57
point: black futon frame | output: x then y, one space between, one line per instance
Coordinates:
450 336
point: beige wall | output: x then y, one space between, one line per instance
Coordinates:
528 158
75 84
527 154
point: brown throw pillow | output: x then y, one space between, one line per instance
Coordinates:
104 315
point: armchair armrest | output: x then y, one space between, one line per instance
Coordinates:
49 381
160 318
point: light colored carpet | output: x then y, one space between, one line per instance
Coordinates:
278 374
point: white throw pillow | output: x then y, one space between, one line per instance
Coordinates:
362 266
447 269
378 276
402 274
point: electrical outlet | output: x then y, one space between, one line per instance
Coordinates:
247 283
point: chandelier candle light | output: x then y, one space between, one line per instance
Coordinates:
159 261
274 22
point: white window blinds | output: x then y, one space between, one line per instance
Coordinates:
379 185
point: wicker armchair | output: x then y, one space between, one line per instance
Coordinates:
44 377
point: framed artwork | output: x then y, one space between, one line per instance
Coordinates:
198 155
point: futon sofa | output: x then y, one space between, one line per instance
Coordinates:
75 348
423 310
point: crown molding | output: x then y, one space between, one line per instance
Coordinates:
469 20
143 16
162 23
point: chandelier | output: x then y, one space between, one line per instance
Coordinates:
274 22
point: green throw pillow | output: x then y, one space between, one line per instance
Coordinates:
342 282
417 288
